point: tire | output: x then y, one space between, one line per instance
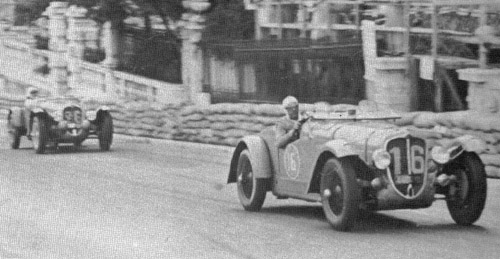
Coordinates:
15 137
39 134
467 196
341 202
251 190
106 132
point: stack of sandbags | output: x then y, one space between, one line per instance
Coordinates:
455 124
145 119
226 123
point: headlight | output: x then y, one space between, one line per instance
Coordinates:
56 115
381 158
91 115
440 155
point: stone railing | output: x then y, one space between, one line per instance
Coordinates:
97 79
18 62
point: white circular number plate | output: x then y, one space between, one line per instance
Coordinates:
292 161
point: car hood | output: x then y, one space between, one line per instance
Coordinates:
361 136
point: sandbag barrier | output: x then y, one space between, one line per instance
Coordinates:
449 125
225 124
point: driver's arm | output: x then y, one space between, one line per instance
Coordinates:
283 137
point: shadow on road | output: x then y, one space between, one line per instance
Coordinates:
373 222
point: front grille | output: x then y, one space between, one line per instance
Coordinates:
73 114
407 170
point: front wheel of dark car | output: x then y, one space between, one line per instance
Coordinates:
251 190
105 134
340 194
467 195
39 134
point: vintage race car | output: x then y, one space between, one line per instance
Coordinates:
57 120
351 162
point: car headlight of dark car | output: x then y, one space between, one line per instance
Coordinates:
91 115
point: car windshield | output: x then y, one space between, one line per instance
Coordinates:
355 115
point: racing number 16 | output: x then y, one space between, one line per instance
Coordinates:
417 159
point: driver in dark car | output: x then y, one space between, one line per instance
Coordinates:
288 127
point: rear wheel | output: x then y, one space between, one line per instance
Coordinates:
340 194
467 196
251 190
105 134
39 134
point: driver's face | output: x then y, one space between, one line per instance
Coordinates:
293 112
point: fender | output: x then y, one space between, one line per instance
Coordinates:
259 157
472 144
339 148
16 117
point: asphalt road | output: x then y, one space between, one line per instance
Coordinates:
164 199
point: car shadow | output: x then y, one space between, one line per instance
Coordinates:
369 222
71 149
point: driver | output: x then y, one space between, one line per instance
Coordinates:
288 127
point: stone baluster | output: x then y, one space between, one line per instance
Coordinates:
57 44
192 57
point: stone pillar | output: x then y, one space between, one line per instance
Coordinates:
484 89
394 17
76 42
386 81
92 35
7 12
57 44
111 43
192 56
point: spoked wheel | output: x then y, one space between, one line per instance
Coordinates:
467 196
39 134
251 190
340 194
105 134
15 137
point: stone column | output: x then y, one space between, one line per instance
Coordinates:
386 81
76 42
192 56
111 43
57 44
92 35
484 89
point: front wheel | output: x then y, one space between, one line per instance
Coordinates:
39 134
467 196
340 194
251 190
105 134
15 137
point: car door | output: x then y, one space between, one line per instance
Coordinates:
294 168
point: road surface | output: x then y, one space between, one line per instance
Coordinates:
164 199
